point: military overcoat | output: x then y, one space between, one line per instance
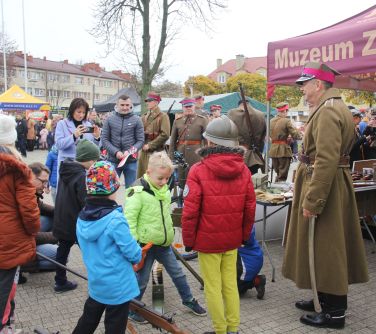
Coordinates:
157 130
326 189
259 131
280 129
186 137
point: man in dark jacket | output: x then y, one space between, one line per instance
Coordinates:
70 199
122 136
21 134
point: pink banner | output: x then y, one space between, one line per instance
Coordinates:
348 46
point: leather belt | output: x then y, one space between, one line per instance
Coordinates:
279 141
189 142
151 136
344 160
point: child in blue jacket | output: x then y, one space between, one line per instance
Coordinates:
108 251
249 264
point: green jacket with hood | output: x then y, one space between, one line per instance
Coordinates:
147 210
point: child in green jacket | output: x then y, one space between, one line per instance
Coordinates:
147 209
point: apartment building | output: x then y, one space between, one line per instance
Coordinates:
238 65
60 82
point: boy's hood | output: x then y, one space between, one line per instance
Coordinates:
70 169
225 162
93 217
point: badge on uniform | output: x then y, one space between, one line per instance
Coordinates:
186 190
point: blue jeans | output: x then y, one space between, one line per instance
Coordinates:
129 170
165 256
46 223
47 250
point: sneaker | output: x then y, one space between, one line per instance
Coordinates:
260 288
195 307
68 286
22 279
135 317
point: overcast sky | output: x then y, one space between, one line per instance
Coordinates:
59 30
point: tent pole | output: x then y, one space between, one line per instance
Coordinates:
24 40
267 137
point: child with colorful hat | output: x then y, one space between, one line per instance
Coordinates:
109 251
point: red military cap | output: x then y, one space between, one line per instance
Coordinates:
316 70
152 96
283 106
214 107
187 101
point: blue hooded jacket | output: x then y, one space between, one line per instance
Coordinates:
108 251
252 258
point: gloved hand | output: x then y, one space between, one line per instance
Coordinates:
188 249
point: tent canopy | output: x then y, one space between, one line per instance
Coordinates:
227 101
348 46
110 103
15 98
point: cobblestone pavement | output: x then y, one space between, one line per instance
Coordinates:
38 305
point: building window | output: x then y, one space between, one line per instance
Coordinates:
84 95
108 83
221 78
96 82
79 80
64 78
66 93
125 85
53 93
96 97
39 92
53 77
29 90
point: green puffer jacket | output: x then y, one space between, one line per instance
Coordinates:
147 210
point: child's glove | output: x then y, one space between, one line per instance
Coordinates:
188 249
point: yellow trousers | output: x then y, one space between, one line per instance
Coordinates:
218 271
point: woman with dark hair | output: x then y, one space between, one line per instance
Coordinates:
75 127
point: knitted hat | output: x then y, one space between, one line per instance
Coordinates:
8 133
86 151
102 179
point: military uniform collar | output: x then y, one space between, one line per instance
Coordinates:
155 111
331 93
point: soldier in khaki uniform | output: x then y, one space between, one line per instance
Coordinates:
199 106
215 111
280 151
186 136
323 188
157 130
259 132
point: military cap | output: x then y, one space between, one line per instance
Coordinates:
152 96
214 107
199 96
316 70
282 106
187 102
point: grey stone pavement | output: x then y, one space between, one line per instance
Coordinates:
38 305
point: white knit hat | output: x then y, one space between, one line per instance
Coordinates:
8 133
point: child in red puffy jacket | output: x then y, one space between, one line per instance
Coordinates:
218 216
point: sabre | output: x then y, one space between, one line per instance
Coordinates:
312 273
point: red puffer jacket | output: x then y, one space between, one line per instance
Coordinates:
19 213
220 202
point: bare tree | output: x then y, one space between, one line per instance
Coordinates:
146 27
10 48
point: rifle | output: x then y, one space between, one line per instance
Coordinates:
156 319
252 146
169 109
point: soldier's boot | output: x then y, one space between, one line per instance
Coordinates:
306 305
325 319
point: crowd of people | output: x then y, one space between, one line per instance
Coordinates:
83 169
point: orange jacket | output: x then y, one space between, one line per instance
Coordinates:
19 213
